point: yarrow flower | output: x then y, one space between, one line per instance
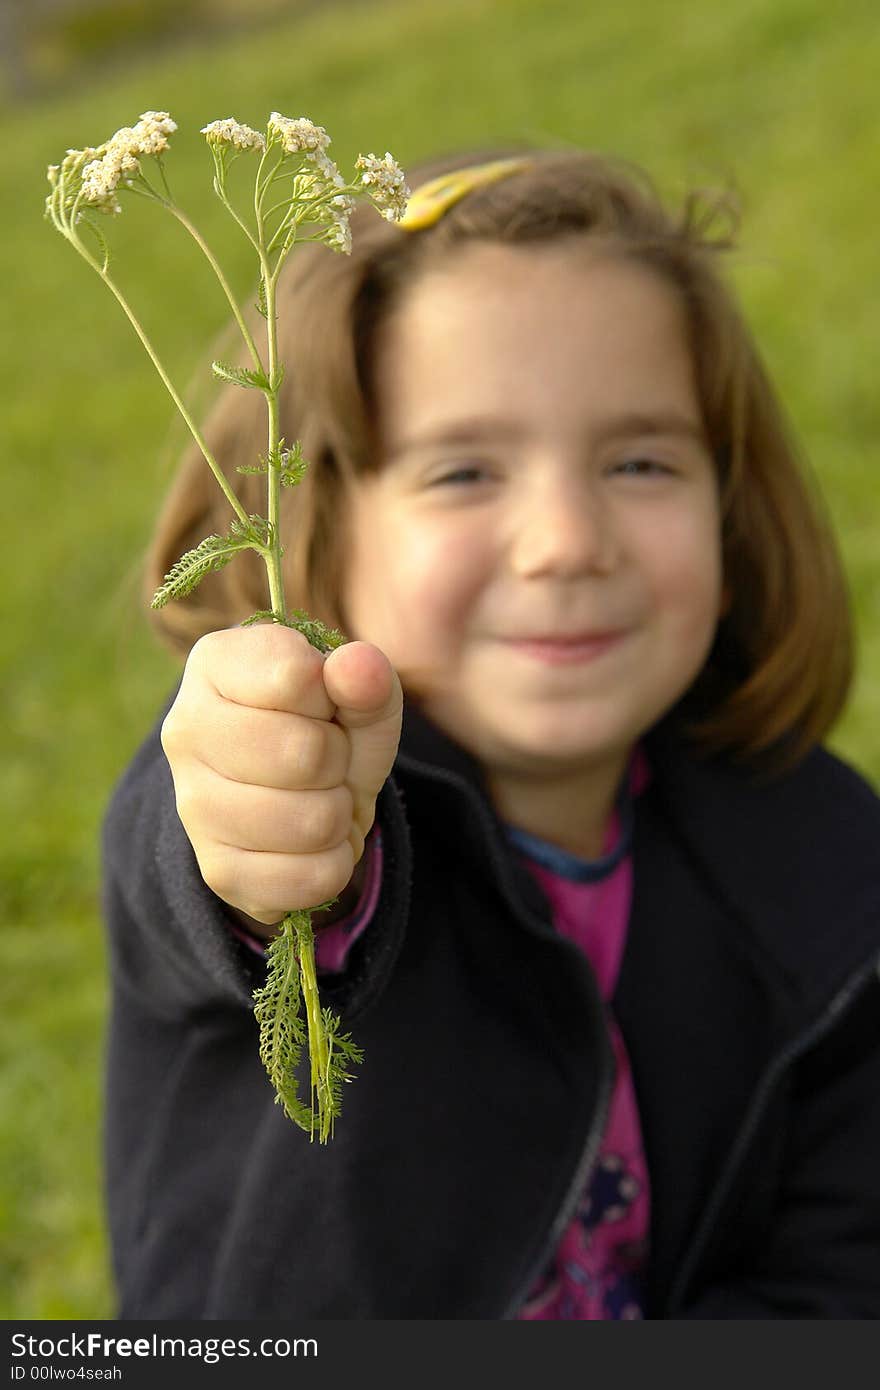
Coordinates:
152 131
65 180
338 234
118 160
298 136
385 182
232 132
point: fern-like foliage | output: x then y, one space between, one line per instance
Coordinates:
326 639
278 1011
293 465
261 616
341 1054
241 376
210 554
290 464
278 1008
250 377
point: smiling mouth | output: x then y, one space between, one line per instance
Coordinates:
566 651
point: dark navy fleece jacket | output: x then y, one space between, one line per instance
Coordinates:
748 997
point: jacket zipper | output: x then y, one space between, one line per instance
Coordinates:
789 1054
579 1179
590 1150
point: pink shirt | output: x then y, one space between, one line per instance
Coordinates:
596 1270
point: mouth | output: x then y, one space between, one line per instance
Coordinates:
566 650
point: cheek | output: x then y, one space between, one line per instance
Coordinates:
410 587
440 575
686 578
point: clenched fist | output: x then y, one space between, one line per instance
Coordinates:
277 755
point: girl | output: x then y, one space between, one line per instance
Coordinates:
608 918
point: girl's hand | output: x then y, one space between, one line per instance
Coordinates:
277 755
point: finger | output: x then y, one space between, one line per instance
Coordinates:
269 748
264 819
266 885
267 666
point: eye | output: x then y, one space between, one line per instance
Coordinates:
640 467
461 475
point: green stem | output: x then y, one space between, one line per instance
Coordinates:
227 290
319 1048
273 478
319 1054
274 475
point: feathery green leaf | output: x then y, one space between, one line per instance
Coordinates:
278 1008
259 617
293 465
325 639
209 555
282 1032
241 376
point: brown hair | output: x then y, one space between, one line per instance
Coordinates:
781 665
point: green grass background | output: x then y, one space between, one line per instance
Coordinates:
778 95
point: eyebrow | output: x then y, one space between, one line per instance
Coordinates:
476 431
496 431
664 422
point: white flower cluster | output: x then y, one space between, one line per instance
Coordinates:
65 179
118 159
231 132
314 200
385 182
298 136
338 234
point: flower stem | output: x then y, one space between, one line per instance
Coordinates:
319 1051
194 430
300 921
273 559
224 283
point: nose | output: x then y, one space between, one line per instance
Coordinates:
562 529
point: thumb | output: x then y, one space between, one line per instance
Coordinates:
363 685
365 688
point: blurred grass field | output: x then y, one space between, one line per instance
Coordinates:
779 96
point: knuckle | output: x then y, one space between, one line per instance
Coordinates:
185 802
319 755
277 678
168 733
203 652
331 816
288 662
327 874
216 869
308 750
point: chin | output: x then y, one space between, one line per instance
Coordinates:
552 750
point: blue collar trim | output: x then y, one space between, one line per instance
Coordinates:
566 865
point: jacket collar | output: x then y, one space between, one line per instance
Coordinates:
794 859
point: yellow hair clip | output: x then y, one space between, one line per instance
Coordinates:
429 202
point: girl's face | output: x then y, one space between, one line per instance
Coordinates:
539 553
